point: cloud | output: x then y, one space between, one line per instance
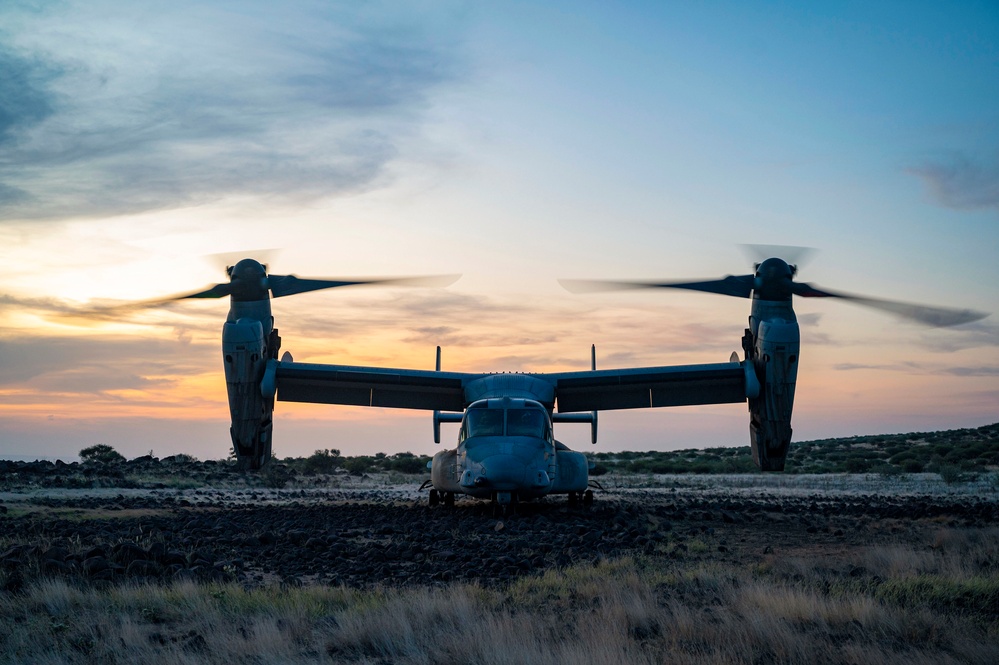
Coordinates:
980 334
94 380
918 368
972 371
24 96
115 109
67 364
962 182
895 367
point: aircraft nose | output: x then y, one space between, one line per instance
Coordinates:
504 472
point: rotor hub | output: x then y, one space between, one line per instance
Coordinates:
248 281
773 280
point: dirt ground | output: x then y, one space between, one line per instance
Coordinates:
365 533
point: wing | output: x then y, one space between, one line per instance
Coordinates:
632 388
370 386
645 387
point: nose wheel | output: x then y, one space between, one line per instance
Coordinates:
504 504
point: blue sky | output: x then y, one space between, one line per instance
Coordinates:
514 143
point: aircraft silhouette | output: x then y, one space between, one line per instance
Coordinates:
506 449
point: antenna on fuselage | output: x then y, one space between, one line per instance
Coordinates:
590 417
593 414
442 417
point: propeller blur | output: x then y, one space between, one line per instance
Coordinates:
773 281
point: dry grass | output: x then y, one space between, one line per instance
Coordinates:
911 604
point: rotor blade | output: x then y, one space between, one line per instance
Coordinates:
789 253
113 310
217 291
740 286
937 317
287 285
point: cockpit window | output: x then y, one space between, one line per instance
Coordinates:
525 422
484 422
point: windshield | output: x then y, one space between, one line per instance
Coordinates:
519 422
525 422
484 422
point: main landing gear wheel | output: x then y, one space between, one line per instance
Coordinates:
435 497
449 499
588 498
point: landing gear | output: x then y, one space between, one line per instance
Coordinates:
437 497
504 503
586 498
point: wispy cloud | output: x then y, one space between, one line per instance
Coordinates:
110 108
962 181
976 335
896 367
24 97
972 371
921 368
74 364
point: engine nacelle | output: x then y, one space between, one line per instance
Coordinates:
244 350
573 470
444 471
774 354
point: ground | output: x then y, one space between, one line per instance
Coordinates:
842 568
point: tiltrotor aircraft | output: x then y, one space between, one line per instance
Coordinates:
506 450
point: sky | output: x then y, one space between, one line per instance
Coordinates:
143 145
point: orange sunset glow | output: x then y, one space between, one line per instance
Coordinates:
143 150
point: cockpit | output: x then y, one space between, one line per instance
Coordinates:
506 417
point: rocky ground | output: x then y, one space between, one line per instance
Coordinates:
372 534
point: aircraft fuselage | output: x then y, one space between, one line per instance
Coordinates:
507 452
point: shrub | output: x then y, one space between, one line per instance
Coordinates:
858 465
951 474
408 463
101 453
358 465
322 461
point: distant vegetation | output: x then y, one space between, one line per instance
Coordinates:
957 455
328 461
953 454
950 453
